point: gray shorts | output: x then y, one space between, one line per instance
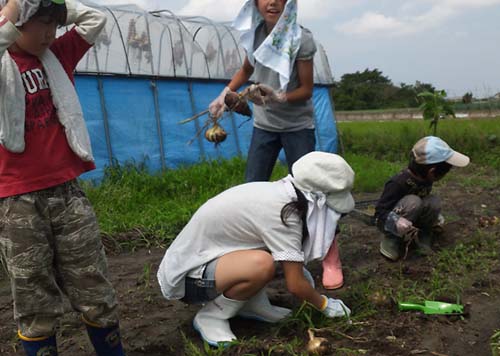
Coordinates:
201 290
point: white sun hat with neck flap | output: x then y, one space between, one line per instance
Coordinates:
329 174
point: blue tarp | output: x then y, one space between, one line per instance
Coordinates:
136 119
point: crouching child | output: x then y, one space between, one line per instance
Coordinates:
226 254
406 210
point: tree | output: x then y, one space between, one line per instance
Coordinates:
370 89
361 90
435 107
467 98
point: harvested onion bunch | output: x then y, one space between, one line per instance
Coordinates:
215 134
237 103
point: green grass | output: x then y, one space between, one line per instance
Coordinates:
453 271
378 111
476 178
495 343
371 174
393 140
155 207
159 204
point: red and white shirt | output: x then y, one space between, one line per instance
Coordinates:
47 160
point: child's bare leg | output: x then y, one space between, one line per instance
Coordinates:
238 276
241 274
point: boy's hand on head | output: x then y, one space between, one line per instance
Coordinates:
26 8
403 225
10 10
3 3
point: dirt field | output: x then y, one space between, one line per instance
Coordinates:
152 325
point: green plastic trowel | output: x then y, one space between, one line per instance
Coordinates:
433 307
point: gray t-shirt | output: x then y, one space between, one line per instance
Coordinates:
282 117
244 217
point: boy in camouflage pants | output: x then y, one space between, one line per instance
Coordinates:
49 236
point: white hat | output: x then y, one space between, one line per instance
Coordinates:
327 173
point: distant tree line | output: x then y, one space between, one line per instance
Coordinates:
370 89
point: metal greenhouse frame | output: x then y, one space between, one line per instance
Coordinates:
166 68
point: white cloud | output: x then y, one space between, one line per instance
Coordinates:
227 10
321 9
375 23
471 3
144 4
220 10
372 22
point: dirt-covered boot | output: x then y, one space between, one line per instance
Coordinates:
212 321
424 243
106 341
45 346
333 277
390 247
260 308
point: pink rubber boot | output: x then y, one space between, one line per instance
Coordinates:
332 268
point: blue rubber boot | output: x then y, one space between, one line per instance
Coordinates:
106 341
39 346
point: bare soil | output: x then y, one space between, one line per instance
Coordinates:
152 325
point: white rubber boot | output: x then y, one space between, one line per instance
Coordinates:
260 308
212 323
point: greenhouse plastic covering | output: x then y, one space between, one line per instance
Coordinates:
148 71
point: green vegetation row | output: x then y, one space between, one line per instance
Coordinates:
158 205
393 140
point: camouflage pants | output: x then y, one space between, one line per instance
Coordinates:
50 244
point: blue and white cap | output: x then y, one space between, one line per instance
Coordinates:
432 149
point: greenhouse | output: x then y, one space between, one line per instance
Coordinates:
150 70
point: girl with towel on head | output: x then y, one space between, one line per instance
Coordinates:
279 55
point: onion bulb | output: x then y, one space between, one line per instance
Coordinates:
215 134
316 345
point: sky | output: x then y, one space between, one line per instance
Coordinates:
451 44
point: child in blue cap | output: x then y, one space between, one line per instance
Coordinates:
406 208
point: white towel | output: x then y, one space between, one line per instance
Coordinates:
12 104
279 50
321 224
